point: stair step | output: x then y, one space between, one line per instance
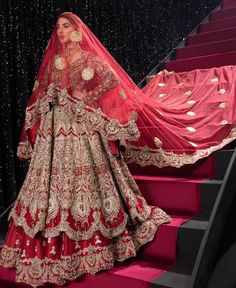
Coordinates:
185 193
228 4
163 247
206 49
138 273
171 280
218 25
191 233
222 161
209 190
222 14
215 60
213 36
134 274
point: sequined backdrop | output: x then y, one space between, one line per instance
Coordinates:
138 34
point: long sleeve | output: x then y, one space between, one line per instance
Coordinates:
107 78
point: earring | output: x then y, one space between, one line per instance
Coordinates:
76 36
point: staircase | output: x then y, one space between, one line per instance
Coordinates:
194 195
213 46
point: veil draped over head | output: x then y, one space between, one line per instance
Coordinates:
151 132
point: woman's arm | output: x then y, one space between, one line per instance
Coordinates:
106 78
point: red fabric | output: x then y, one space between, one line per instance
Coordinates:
193 99
163 118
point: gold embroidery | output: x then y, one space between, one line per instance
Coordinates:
60 63
52 251
122 94
133 115
36 85
214 79
191 101
75 136
224 122
193 144
87 73
146 156
89 259
188 93
221 91
24 150
191 113
191 129
233 131
76 36
222 105
157 142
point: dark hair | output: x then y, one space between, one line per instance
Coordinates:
66 15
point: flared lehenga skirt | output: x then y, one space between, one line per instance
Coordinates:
79 209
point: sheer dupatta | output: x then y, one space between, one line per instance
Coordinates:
149 129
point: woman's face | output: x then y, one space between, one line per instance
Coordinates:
64 29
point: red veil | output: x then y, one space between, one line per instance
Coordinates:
179 118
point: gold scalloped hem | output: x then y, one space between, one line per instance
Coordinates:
24 275
145 156
90 260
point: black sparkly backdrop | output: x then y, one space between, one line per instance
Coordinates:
139 34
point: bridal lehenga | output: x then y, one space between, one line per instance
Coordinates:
79 209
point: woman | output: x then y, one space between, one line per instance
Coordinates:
79 209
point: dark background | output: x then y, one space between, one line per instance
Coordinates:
139 34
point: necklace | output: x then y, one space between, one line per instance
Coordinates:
72 51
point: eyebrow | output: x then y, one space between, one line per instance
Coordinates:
64 24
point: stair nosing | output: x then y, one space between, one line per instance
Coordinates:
211 21
176 179
211 32
177 277
204 44
195 224
206 56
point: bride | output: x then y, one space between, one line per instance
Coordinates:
79 209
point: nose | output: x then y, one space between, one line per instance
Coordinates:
60 31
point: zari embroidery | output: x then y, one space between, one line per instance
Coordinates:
146 156
59 266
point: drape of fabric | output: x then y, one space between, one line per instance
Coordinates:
26 27
162 136
79 209
193 116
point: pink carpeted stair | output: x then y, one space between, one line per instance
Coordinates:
225 23
188 193
213 46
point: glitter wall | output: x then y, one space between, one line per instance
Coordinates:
138 34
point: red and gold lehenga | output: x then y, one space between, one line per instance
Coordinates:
79 209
